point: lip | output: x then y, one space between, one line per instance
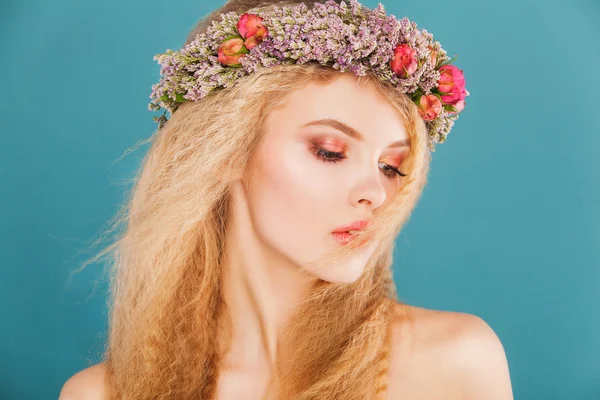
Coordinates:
341 234
356 225
345 237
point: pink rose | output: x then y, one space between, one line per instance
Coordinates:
430 107
460 105
404 62
251 29
252 41
452 84
231 51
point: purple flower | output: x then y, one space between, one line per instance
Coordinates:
345 36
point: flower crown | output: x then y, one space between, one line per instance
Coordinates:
345 37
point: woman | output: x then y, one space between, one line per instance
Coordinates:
256 259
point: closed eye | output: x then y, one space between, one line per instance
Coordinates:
334 157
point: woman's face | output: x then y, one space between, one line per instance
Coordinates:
326 160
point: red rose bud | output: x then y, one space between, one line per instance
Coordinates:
251 29
433 56
255 39
430 107
231 51
404 62
452 84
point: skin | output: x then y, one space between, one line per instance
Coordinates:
266 280
286 175
443 354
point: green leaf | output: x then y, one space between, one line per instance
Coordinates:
243 50
448 62
436 90
449 107
233 37
417 99
178 98
416 96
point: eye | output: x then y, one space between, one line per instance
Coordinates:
334 157
394 171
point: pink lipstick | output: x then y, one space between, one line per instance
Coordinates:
345 233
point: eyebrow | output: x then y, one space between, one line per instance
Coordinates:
350 131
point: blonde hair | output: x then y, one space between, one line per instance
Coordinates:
165 266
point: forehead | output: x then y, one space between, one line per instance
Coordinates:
362 107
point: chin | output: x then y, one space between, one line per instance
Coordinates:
345 273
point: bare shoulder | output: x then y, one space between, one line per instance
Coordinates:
445 354
87 384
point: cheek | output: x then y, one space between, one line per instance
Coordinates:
391 191
289 200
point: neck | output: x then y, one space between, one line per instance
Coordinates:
261 289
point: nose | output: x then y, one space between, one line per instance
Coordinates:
370 191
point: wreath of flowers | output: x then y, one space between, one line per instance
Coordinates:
347 37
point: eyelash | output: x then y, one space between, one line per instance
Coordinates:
334 157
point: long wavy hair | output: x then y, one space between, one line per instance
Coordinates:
165 259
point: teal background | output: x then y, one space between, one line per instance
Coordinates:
507 228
